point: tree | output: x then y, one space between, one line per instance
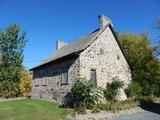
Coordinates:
158 38
25 82
11 49
144 63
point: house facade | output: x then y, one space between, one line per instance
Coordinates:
96 56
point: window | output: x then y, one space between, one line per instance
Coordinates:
118 58
40 81
36 82
93 77
101 51
64 76
44 81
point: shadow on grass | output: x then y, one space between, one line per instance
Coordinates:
68 101
150 106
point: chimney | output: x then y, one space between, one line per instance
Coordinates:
104 21
60 44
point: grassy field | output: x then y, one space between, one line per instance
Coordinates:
31 110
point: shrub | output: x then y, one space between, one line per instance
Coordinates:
133 90
80 108
146 99
118 105
25 83
86 93
95 110
113 89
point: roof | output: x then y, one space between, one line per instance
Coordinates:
74 47
80 44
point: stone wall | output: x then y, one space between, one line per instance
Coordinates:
105 56
53 90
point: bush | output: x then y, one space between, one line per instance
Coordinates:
118 105
86 93
25 83
149 99
113 89
80 108
133 90
95 110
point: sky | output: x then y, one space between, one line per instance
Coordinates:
47 21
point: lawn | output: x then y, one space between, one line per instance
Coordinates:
28 109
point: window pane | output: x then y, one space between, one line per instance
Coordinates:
64 78
93 76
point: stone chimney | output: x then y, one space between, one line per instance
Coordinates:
60 44
104 21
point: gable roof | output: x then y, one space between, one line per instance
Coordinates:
80 44
74 47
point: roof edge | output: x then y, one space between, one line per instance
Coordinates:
57 60
103 29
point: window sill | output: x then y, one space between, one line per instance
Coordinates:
64 83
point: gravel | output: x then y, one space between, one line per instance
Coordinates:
145 115
131 114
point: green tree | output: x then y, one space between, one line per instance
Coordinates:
158 37
11 49
145 65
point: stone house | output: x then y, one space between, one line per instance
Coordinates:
97 56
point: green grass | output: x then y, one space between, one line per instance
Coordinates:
31 110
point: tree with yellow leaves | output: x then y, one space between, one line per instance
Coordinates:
25 83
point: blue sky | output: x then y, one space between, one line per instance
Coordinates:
49 20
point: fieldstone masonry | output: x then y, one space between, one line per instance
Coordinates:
53 90
103 55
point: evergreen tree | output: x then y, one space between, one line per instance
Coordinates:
11 49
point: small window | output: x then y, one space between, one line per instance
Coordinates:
64 76
36 82
101 51
44 81
93 77
40 81
118 58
